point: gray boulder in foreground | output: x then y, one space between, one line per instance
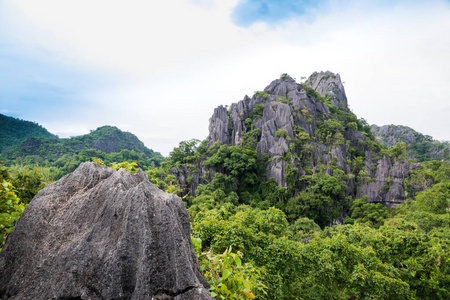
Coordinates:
98 233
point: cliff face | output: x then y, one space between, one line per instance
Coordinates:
102 234
304 127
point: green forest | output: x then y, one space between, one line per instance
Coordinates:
312 237
248 250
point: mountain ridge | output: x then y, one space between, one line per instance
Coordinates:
13 131
107 143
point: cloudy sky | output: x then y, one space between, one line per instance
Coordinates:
159 68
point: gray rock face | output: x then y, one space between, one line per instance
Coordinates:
387 185
389 135
329 83
102 234
218 126
418 146
285 106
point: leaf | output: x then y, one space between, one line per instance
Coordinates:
247 286
226 273
238 261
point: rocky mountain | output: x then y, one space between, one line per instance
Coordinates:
418 146
102 234
301 130
14 131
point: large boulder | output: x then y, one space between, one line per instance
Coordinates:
102 234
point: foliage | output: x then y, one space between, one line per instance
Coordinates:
229 277
257 111
239 170
328 129
421 261
335 268
323 198
186 152
284 100
11 208
127 166
259 234
28 181
362 212
397 152
262 94
303 230
284 76
281 132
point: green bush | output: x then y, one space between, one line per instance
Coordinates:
281 132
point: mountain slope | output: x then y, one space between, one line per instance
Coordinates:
107 139
418 146
62 156
14 131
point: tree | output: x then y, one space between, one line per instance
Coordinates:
362 212
184 153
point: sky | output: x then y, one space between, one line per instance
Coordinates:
159 68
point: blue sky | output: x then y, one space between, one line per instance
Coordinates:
248 12
159 69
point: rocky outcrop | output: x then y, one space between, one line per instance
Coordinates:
330 84
389 135
418 146
102 234
303 128
284 105
385 181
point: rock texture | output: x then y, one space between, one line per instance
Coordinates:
418 146
286 110
285 104
387 184
102 234
389 135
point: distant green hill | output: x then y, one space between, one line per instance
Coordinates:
108 139
14 131
62 156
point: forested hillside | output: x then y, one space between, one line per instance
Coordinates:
59 157
14 131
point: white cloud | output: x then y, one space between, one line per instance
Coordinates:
167 65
